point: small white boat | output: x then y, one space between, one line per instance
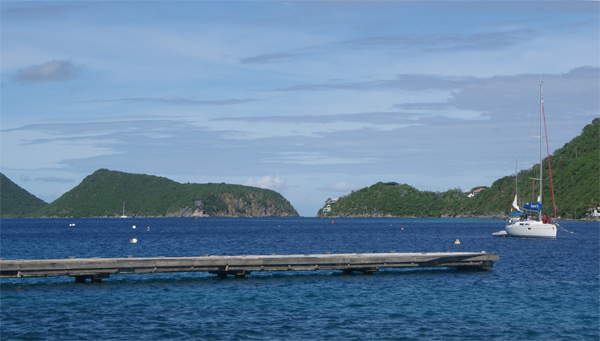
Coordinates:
530 224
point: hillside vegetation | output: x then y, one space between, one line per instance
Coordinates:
103 194
575 173
16 201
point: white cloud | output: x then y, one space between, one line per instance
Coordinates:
343 187
238 129
317 158
269 182
54 179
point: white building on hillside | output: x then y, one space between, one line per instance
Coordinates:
475 192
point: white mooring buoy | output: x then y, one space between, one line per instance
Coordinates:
134 227
133 241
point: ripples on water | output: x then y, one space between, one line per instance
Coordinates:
539 289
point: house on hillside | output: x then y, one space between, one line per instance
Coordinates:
331 201
594 212
475 192
328 204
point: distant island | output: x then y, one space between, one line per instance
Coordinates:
575 172
103 194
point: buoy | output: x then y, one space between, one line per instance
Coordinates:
148 228
133 241
457 242
134 227
333 222
402 228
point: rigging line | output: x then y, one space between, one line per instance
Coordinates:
579 234
549 166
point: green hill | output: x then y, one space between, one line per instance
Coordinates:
15 201
103 194
575 172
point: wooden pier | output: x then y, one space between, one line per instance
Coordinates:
97 269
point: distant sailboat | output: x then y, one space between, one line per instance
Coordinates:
123 216
522 224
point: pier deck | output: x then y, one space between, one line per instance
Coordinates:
97 269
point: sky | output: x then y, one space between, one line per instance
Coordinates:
312 99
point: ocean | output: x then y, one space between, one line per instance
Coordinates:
538 290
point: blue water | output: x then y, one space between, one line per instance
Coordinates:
538 290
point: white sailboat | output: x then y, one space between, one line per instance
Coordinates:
528 221
123 216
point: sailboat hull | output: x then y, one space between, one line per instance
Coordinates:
531 229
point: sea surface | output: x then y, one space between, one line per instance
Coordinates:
538 289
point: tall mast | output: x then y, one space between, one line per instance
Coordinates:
541 136
516 180
516 166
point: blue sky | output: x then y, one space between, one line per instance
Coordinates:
311 99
